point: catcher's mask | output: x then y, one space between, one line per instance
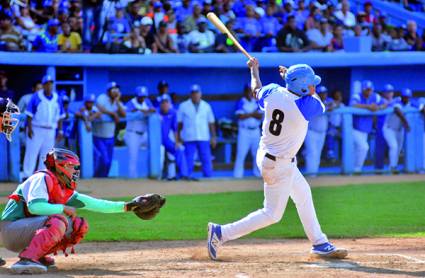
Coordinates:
66 165
9 119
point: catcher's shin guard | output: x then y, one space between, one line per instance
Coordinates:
80 228
46 238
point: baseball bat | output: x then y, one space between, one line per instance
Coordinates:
220 26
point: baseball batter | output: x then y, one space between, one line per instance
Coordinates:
287 112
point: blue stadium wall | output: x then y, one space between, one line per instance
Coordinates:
221 76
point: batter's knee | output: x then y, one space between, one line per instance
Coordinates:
273 217
59 223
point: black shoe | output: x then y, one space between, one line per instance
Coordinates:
2 262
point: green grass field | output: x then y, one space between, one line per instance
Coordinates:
369 210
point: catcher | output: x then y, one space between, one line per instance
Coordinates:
40 217
8 117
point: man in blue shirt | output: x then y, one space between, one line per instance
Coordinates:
174 151
381 144
249 29
47 41
363 125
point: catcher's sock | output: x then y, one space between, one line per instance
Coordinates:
47 261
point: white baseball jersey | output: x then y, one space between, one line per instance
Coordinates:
286 119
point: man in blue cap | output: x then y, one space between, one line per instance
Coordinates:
363 125
44 124
174 151
112 110
47 41
315 138
136 133
395 126
381 146
287 112
88 112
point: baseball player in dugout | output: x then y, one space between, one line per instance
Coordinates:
40 217
287 112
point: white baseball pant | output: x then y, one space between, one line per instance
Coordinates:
361 147
134 141
248 140
37 147
394 139
282 180
314 142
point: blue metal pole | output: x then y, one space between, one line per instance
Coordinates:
347 143
154 146
410 152
15 157
85 139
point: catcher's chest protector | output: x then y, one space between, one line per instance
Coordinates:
57 193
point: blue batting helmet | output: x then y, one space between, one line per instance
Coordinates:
299 77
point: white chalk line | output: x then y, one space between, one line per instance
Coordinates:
410 258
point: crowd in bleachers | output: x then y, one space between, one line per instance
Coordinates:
154 26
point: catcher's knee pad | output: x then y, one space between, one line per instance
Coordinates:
80 227
47 238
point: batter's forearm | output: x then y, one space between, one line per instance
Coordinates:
255 81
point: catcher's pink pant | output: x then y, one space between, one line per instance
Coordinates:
282 180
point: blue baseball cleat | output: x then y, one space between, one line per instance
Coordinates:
328 250
214 239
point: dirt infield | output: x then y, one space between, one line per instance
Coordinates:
242 259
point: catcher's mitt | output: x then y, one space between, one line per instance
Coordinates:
146 206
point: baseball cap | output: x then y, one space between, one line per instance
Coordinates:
388 88
195 88
201 20
146 21
53 22
90 98
406 92
47 78
111 85
65 98
162 83
367 84
321 90
141 91
157 4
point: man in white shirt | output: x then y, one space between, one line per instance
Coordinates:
345 16
201 40
196 129
320 38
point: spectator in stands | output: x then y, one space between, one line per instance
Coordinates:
291 39
112 109
158 14
184 11
249 118
147 34
191 22
414 5
47 41
269 27
26 23
335 124
196 130
119 23
134 12
227 13
337 40
321 38
25 99
174 151
136 134
222 43
207 7
10 38
363 125
301 14
312 19
397 42
44 116
69 41
163 39
368 10
249 29
315 138
181 40
412 37
135 43
380 41
88 112
345 16
287 10
91 21
201 40
395 126
5 92
76 24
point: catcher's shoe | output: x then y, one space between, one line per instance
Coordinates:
48 262
214 240
25 266
2 262
329 251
